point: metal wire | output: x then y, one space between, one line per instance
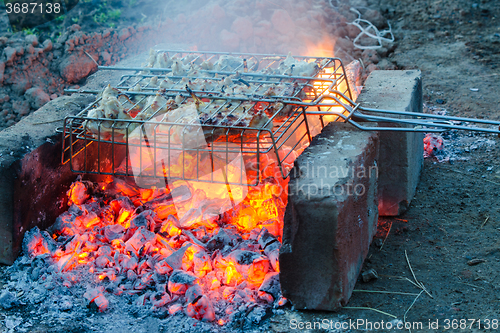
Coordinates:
422 122
162 150
145 148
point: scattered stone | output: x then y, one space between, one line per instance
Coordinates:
76 67
75 27
47 45
31 39
22 107
374 17
2 70
124 34
106 57
36 97
10 54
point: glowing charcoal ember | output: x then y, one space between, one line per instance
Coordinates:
210 281
165 210
145 280
139 239
122 203
205 215
274 226
36 243
251 265
162 267
174 308
79 192
271 247
164 247
201 308
101 302
179 249
175 260
170 226
220 241
193 293
202 263
160 299
433 144
127 262
118 245
273 256
265 238
265 297
247 219
104 251
271 284
143 266
91 294
89 220
64 225
145 219
115 231
104 261
180 281
123 218
131 275
106 275
120 186
231 275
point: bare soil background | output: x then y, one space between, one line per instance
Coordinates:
455 216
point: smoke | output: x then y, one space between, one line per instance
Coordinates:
261 26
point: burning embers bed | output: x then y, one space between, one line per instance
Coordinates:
198 248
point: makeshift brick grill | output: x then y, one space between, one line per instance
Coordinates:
199 230
199 227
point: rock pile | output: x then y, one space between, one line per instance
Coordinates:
34 71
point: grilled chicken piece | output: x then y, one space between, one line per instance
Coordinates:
155 105
292 66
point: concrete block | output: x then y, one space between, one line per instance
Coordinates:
32 180
401 153
33 183
331 217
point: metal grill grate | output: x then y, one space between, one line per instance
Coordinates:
206 147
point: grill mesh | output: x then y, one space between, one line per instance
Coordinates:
206 146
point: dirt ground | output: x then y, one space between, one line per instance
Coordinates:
448 241
450 234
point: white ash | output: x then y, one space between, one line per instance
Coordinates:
454 145
47 303
129 277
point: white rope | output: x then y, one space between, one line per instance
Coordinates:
333 6
377 35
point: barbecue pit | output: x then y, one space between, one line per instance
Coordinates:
266 139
